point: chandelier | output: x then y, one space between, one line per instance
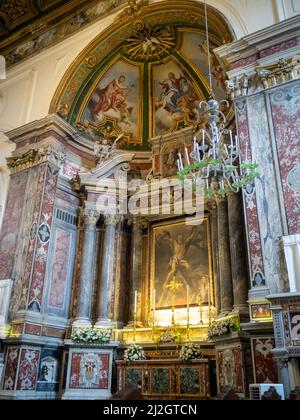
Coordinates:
215 155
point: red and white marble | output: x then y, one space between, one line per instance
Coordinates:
28 369
58 284
265 368
252 220
89 370
43 238
285 104
11 223
11 368
230 369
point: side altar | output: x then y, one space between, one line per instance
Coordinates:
166 378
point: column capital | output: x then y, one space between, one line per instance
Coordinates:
90 216
138 223
112 219
45 152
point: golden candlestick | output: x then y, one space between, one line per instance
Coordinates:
173 286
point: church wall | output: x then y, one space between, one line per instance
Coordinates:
26 94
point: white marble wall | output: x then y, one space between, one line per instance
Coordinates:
291 245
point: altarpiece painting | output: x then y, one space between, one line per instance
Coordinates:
181 252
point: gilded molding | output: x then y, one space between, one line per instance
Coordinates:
33 157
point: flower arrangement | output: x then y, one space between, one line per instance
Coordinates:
91 335
189 352
167 336
222 328
134 353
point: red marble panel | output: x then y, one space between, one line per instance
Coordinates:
285 104
252 220
245 61
283 46
33 329
11 368
89 371
265 368
43 238
11 223
41 175
28 369
53 332
230 369
58 284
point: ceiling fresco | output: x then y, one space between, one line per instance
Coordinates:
144 76
29 26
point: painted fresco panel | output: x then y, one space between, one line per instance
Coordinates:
193 47
11 223
117 98
285 104
175 98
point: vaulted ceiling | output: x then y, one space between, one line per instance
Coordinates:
28 26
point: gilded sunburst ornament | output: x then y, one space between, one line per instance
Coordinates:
148 43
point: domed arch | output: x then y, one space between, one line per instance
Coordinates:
145 74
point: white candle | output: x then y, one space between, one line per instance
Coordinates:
203 137
180 160
187 156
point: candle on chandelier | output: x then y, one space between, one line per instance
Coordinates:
180 161
187 156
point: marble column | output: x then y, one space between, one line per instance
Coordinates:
215 254
226 292
84 301
238 253
136 270
104 307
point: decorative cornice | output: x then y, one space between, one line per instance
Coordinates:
258 41
262 78
35 156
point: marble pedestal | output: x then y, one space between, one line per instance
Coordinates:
234 363
89 371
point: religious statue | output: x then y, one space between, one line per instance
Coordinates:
103 149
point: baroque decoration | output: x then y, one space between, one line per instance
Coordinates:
145 76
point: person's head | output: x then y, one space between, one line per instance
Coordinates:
122 79
171 75
180 239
